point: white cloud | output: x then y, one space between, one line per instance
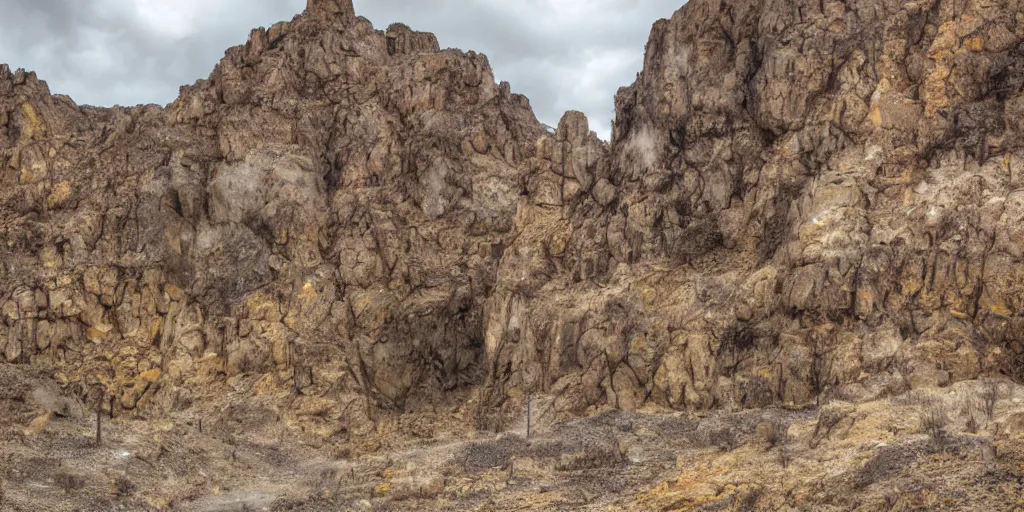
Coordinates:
563 54
176 19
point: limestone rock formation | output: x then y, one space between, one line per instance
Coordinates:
800 199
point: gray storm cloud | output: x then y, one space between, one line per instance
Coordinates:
562 54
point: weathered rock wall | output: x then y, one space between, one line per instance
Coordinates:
800 198
327 209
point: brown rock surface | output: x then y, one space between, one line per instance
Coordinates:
810 198
327 208
349 231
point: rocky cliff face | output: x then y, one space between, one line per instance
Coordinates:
327 210
800 199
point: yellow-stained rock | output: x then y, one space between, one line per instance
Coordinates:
61 192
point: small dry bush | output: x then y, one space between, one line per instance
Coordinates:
724 438
971 407
830 417
124 486
746 499
770 433
490 454
989 396
934 417
329 481
972 426
914 398
591 457
68 481
785 457
757 393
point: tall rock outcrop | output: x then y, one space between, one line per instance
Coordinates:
800 199
327 209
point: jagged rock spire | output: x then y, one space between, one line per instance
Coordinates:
331 9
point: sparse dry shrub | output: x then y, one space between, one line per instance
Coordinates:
737 338
68 481
124 486
771 434
757 393
934 418
972 426
915 398
989 396
785 457
747 498
989 456
494 419
971 407
591 457
699 238
489 454
829 418
724 438
417 488
904 366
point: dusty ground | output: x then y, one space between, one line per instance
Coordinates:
874 456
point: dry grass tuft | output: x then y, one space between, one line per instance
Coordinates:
934 417
69 481
989 398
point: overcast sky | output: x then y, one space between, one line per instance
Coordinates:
563 54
